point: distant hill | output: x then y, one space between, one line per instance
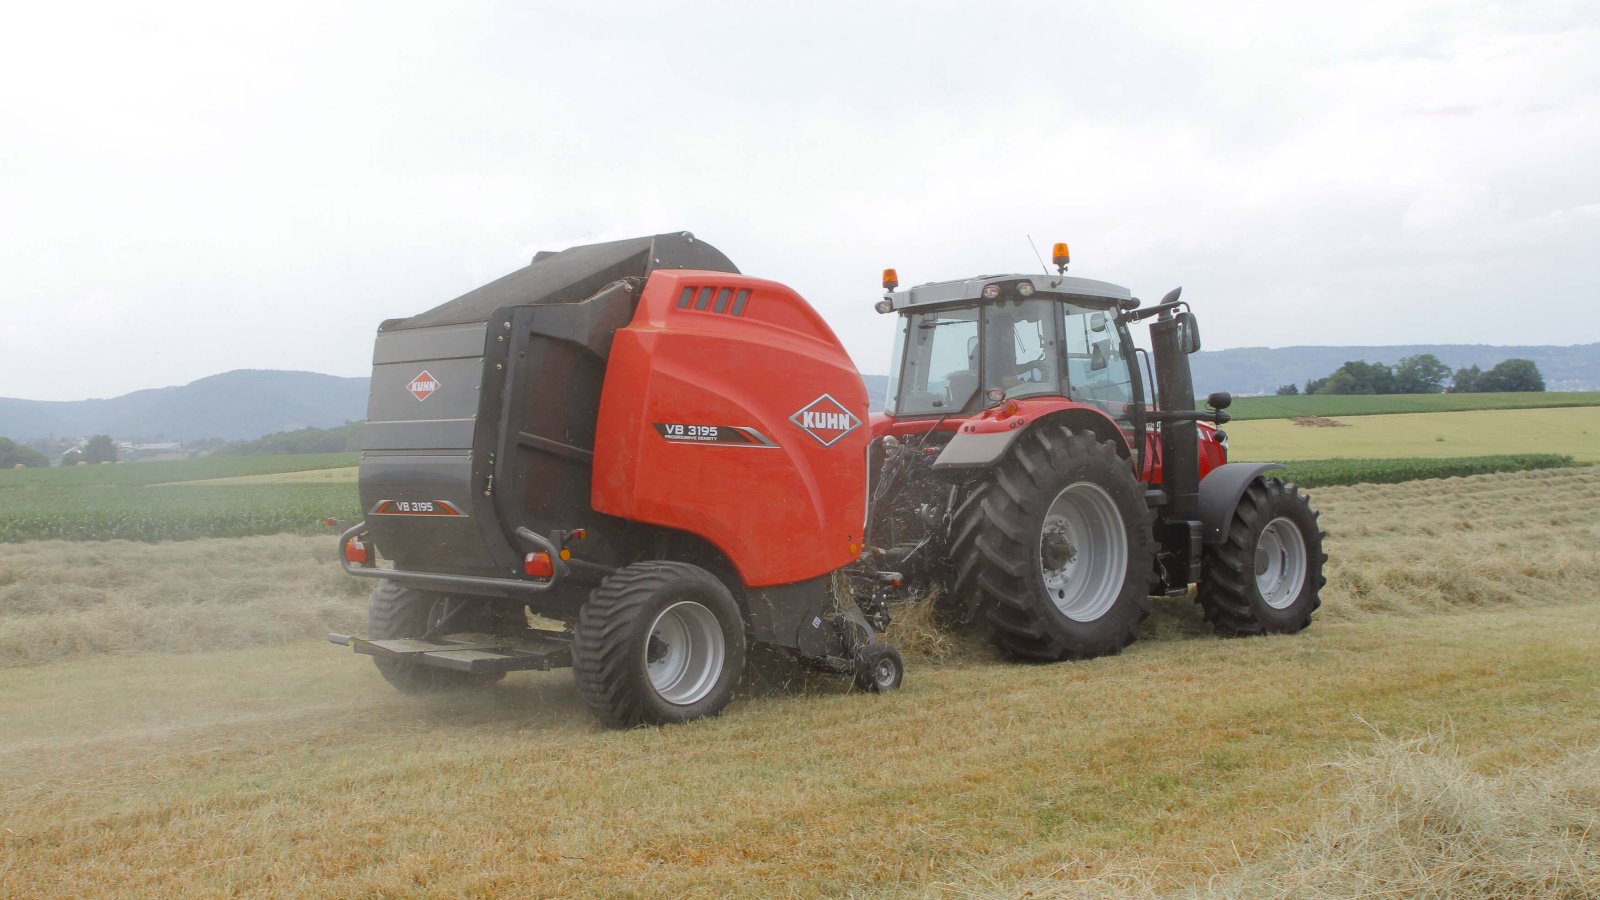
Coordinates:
237 405
1259 370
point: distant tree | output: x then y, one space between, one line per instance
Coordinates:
1356 377
1288 390
1511 375
101 448
13 455
1421 374
1465 380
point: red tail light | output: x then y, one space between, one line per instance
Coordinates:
538 565
358 552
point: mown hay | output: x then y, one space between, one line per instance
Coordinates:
61 599
1417 821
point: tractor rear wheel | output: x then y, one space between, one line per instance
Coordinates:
1055 548
658 643
402 612
1266 575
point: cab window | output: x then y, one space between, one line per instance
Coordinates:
941 363
1097 372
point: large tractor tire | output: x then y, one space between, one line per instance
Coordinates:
1055 548
658 643
1266 575
402 612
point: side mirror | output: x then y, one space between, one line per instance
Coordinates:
1188 332
1097 322
1220 400
972 348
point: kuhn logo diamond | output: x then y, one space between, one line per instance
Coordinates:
826 420
423 385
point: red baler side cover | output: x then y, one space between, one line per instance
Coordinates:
716 419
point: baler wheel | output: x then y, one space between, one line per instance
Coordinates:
1266 575
879 668
1055 549
658 643
402 612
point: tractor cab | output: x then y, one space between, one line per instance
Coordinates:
959 342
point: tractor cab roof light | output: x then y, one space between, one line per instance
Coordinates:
1060 255
991 291
891 279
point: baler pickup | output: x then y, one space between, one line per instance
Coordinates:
476 654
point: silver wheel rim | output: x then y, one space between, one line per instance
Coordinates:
883 673
1083 552
1280 563
684 653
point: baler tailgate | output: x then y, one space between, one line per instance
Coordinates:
478 654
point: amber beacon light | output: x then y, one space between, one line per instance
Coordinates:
1060 256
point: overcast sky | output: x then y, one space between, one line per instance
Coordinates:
187 189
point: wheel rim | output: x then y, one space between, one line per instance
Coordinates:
684 653
1280 563
1083 552
883 673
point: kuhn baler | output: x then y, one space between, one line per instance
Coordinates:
676 460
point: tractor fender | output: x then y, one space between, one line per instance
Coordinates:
1220 492
976 450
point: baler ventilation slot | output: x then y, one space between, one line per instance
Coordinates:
722 301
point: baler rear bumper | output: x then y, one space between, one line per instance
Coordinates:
441 581
477 654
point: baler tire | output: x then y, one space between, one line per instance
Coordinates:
879 669
1231 587
620 627
1000 532
401 612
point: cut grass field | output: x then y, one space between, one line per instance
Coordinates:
1335 405
1573 432
1189 763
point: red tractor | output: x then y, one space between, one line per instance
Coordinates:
633 460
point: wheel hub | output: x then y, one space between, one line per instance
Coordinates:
1056 549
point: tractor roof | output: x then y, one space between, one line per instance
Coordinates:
971 289
572 275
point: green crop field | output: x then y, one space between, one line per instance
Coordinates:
1333 405
155 501
1572 431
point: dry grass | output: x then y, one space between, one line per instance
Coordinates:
1187 763
61 599
1413 820
1426 547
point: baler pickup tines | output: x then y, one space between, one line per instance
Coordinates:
477 654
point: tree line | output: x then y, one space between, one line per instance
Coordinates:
1423 374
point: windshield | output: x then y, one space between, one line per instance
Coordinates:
1039 346
941 363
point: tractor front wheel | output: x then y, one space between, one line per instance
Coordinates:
1266 575
658 643
1055 548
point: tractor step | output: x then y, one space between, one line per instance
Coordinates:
478 654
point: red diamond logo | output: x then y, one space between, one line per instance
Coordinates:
826 420
423 385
